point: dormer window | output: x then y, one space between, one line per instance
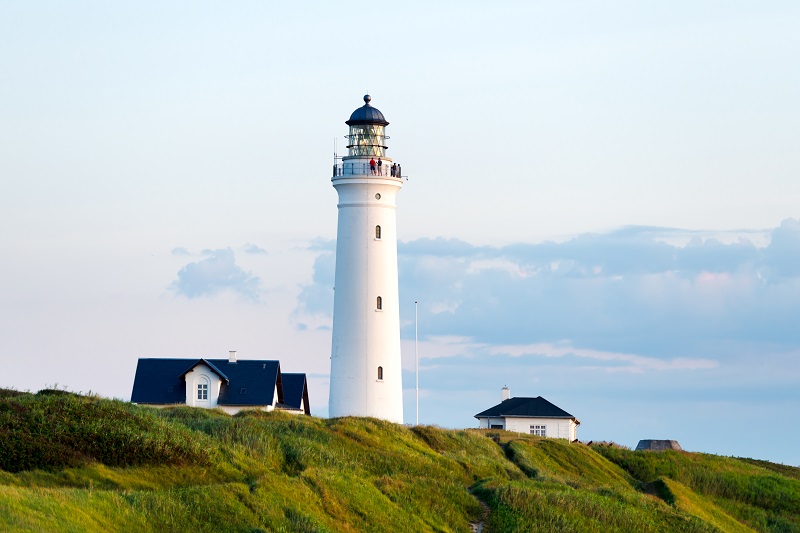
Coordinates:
202 391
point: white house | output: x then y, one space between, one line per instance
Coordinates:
535 416
227 384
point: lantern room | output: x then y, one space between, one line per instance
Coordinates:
367 137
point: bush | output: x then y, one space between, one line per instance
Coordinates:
10 393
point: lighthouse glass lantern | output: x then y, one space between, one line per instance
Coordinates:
367 135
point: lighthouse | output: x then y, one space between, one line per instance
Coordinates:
365 350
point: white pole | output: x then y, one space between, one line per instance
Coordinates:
416 354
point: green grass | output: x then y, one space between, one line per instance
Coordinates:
571 464
55 429
549 506
766 498
687 500
81 463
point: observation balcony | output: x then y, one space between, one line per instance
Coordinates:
362 168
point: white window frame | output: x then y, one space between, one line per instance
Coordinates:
539 430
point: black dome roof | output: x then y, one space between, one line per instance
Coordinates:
366 114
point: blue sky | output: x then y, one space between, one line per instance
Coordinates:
602 204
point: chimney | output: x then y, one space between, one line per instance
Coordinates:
232 356
505 393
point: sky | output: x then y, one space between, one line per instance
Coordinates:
602 205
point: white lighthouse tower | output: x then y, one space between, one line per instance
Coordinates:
365 353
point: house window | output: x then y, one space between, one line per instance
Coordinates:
539 431
379 304
377 232
380 373
202 391
496 426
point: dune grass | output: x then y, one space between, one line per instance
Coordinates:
53 429
689 501
766 499
549 506
81 463
570 487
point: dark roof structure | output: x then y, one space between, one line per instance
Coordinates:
366 114
244 383
526 407
658 445
295 392
210 365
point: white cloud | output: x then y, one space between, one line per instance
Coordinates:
630 362
250 248
215 274
627 291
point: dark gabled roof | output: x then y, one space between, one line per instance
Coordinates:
295 391
210 365
258 379
249 383
526 407
159 381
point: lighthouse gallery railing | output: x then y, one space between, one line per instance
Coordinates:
363 169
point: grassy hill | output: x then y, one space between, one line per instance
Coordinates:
77 463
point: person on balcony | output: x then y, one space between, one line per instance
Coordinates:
380 167
372 166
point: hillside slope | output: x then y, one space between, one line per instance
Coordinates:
75 463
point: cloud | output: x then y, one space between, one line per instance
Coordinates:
216 273
322 245
316 298
180 250
440 246
621 361
250 248
630 291
783 252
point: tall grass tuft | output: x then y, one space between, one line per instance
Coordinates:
57 429
757 496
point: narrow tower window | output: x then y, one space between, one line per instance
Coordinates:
380 303
377 232
380 373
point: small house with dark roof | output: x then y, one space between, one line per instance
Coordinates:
535 416
227 384
295 393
